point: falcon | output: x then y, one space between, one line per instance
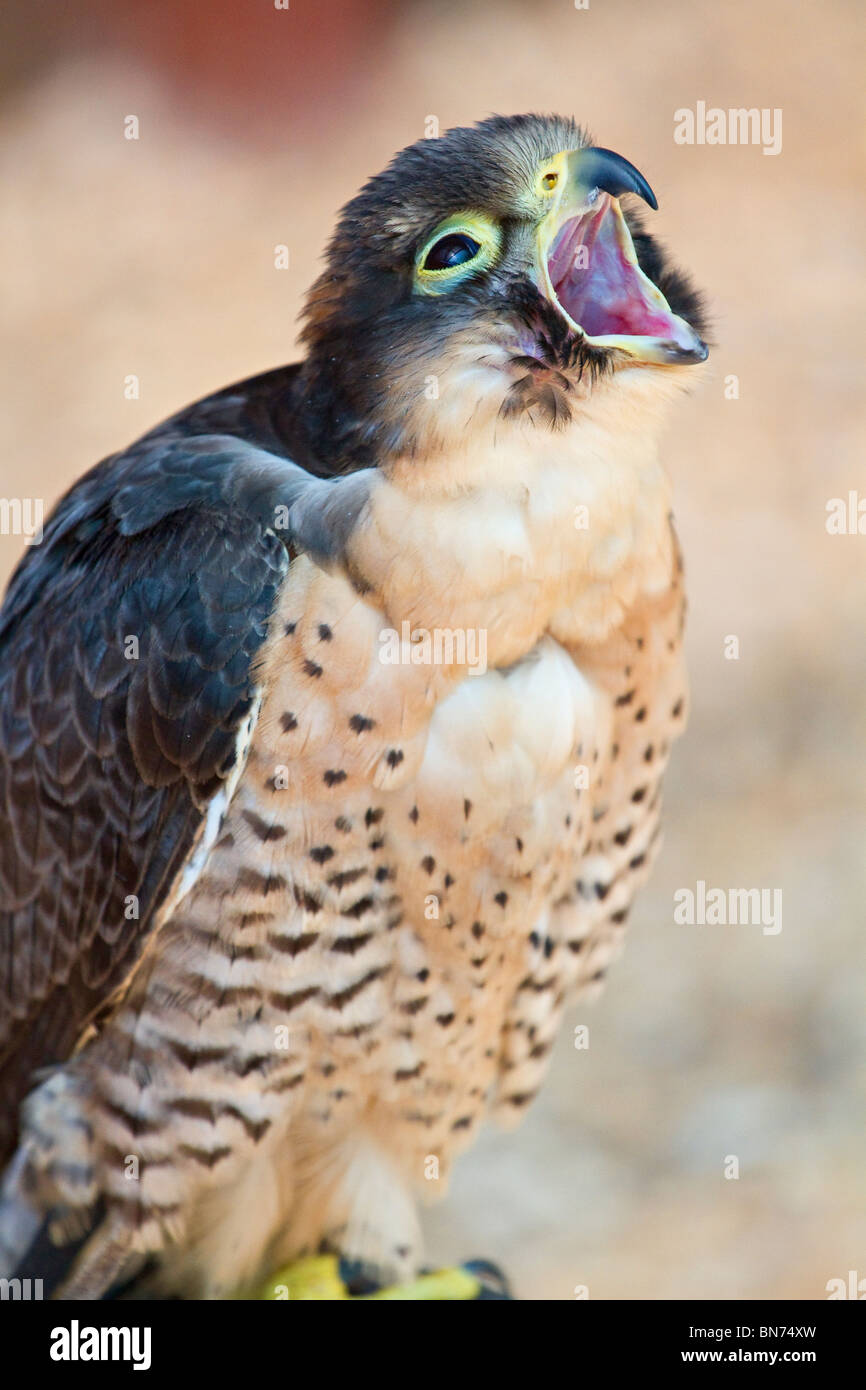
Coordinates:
333 717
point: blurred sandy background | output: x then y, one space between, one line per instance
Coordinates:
155 258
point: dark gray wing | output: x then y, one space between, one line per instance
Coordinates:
110 753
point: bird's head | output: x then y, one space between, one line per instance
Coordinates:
489 274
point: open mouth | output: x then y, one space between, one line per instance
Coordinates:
595 279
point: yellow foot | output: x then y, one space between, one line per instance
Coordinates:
318 1277
449 1284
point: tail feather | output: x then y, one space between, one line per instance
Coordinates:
27 1250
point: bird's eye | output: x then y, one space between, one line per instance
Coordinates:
451 251
461 248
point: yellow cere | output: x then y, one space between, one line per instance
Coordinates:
550 175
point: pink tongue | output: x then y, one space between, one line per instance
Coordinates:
602 293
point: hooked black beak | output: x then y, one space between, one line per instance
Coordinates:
595 167
588 266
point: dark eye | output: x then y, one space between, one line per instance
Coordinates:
454 249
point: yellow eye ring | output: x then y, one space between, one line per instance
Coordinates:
550 180
460 248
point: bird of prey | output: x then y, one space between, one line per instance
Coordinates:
333 716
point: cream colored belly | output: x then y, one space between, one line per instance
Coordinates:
385 929
402 913
412 860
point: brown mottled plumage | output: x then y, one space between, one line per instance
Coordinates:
365 882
